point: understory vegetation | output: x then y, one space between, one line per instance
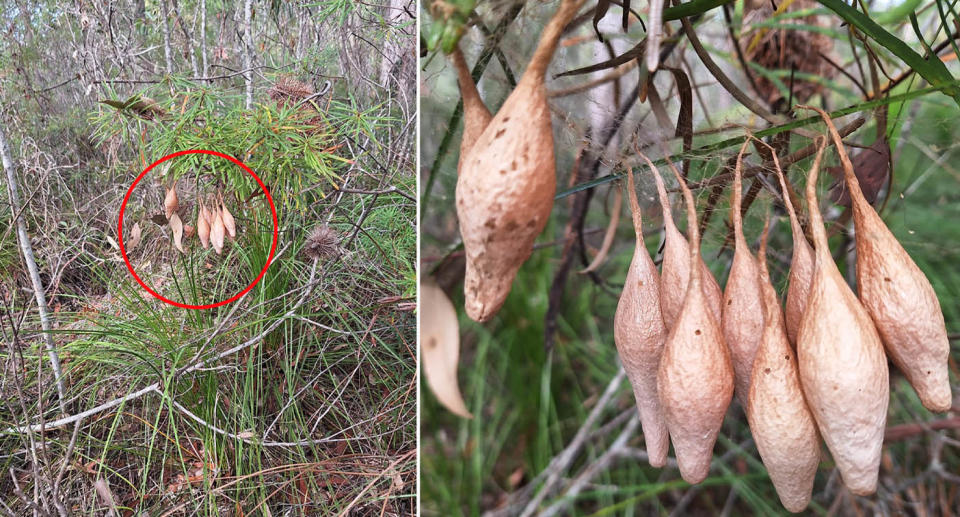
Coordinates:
299 397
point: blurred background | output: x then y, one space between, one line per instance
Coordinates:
554 429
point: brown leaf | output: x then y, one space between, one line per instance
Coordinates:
440 338
135 235
177 227
872 168
188 231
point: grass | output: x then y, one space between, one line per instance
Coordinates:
315 416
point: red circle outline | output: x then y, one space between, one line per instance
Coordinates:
273 212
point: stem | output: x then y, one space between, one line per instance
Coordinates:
549 38
635 206
693 230
737 198
468 89
661 192
247 51
852 183
813 207
27 249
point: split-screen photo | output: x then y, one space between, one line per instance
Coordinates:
479 257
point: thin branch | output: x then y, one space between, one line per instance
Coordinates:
27 249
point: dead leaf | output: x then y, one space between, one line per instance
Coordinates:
177 227
188 231
440 342
159 219
135 235
872 168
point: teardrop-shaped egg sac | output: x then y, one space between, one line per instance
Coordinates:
742 307
203 227
639 334
675 266
898 297
780 421
801 262
217 232
229 224
171 203
843 369
507 182
695 379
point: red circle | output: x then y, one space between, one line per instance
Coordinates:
273 212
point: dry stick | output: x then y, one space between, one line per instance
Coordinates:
390 190
167 55
203 36
728 85
792 158
617 73
595 468
27 249
562 461
247 52
611 232
155 387
346 511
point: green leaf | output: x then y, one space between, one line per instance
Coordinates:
931 69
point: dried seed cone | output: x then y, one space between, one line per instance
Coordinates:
801 264
476 116
507 182
780 421
217 231
695 378
171 203
898 297
639 334
675 267
203 227
742 307
843 369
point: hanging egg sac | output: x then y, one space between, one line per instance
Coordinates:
507 181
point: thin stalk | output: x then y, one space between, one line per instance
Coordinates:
27 249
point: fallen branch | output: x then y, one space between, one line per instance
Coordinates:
27 249
155 387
